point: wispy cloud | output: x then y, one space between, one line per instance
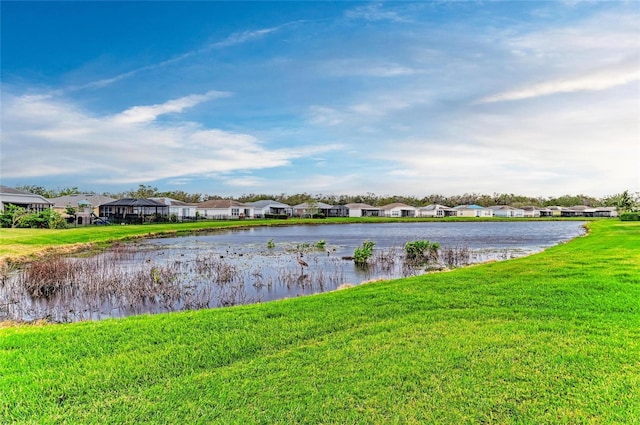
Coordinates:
234 39
244 37
141 114
595 81
374 12
366 68
58 138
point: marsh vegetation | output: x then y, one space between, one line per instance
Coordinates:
241 267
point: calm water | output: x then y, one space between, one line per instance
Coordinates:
259 264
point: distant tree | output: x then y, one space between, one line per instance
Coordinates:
143 191
312 207
625 202
37 190
179 195
69 191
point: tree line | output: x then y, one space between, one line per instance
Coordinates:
623 200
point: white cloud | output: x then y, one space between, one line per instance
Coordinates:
374 12
583 145
594 81
139 114
244 37
43 136
365 68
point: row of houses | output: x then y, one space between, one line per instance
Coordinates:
92 207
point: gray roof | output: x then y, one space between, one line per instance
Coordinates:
319 205
267 203
79 199
134 202
361 206
433 207
397 205
221 204
9 195
172 202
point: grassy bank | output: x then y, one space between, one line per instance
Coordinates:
550 338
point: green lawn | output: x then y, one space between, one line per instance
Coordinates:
550 338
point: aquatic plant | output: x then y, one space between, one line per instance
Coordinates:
421 251
362 254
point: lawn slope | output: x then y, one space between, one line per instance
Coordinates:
550 338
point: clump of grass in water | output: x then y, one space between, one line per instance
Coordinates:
421 252
362 254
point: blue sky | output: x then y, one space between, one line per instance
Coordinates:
536 98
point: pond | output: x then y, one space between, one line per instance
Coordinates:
252 265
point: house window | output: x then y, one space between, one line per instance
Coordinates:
235 212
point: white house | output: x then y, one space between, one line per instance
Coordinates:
473 211
398 209
436 210
268 207
362 210
224 209
179 209
530 212
507 211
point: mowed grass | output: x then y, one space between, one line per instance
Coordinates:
550 338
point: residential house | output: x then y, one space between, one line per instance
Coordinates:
605 212
531 211
585 211
26 200
134 210
398 209
86 206
224 209
310 209
339 211
473 211
551 211
436 211
362 210
507 211
575 211
178 209
268 208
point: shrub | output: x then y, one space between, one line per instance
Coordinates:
421 251
362 254
277 216
630 216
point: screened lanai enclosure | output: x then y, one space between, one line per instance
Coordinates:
134 211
